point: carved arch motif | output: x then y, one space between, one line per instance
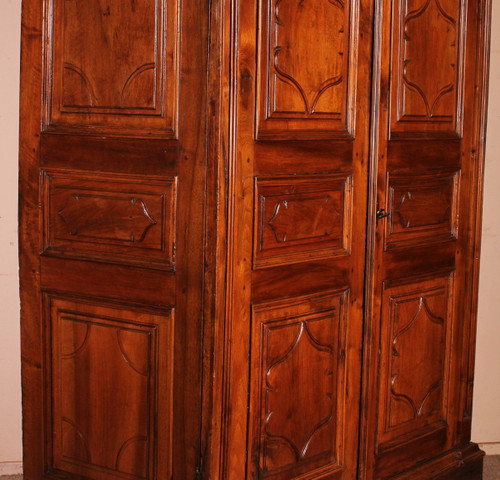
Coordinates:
294 61
427 68
100 78
299 356
417 402
430 84
307 68
415 356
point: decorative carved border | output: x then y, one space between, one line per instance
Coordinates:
134 194
447 187
310 124
288 190
154 321
417 127
160 120
415 288
277 315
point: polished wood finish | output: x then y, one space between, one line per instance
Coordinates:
298 175
113 185
297 95
87 88
301 218
427 176
110 217
89 436
296 367
249 238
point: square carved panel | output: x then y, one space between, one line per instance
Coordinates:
109 387
117 72
298 386
306 65
423 209
301 218
427 68
415 358
111 218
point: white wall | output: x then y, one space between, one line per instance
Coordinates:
486 414
486 424
10 388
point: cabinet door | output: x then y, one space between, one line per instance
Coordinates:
300 98
112 227
427 166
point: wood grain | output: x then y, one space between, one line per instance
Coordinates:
87 89
249 238
113 201
426 137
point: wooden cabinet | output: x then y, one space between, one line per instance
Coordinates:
250 238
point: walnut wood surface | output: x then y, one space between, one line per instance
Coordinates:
113 182
249 238
416 399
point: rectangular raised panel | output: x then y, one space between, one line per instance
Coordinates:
112 218
117 71
415 356
109 386
298 370
301 218
427 68
305 68
423 209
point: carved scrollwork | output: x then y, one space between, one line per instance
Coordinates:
428 58
99 77
299 358
325 218
107 386
303 340
415 353
416 402
110 217
128 219
306 68
301 218
310 79
429 83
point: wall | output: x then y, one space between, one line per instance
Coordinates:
10 389
486 414
486 425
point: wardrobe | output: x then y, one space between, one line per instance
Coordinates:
250 237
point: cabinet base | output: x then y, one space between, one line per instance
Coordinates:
460 464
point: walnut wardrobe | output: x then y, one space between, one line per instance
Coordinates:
249 238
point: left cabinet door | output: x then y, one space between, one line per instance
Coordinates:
112 216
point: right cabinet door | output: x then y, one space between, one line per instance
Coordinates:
425 197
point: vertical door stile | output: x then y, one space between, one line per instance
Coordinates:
216 262
378 90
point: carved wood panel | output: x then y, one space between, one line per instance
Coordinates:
423 209
298 376
110 388
415 358
111 218
305 68
301 218
117 71
427 66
